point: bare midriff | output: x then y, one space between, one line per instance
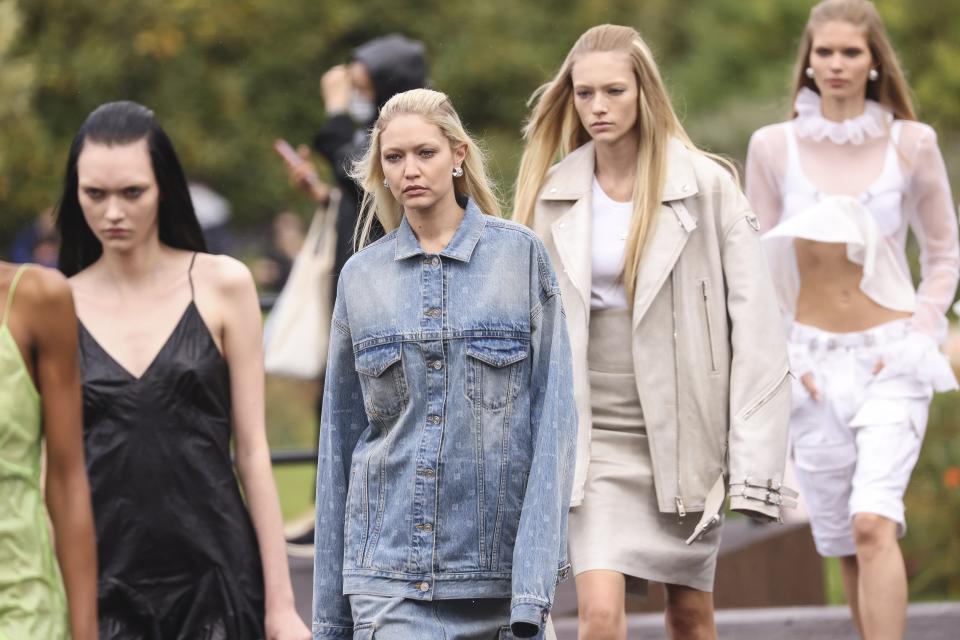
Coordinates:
830 297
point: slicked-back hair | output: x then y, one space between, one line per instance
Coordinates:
122 123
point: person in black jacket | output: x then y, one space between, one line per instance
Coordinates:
352 95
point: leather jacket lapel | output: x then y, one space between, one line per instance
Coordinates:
572 236
662 250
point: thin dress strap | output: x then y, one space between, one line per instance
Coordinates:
13 287
190 273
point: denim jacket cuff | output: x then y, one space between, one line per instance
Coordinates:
331 632
527 616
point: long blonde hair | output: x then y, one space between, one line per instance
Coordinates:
891 88
378 202
554 130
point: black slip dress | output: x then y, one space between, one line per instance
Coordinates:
177 553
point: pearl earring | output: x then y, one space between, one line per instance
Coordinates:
809 72
873 75
457 172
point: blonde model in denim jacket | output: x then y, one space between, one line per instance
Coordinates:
680 369
836 188
448 425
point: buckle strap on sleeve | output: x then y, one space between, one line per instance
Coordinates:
770 483
762 494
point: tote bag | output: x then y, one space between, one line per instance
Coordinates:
297 330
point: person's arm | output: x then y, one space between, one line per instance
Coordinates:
761 185
342 421
759 384
53 324
539 554
243 350
336 141
934 222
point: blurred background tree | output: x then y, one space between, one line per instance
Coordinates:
226 78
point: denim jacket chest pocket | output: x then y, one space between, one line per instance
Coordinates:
382 381
494 370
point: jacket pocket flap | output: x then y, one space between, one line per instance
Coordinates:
497 352
373 361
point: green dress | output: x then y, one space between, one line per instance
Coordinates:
32 600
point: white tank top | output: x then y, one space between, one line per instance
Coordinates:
611 224
866 223
883 198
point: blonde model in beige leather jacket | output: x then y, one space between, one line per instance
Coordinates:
710 354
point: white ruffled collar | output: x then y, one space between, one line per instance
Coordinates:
874 122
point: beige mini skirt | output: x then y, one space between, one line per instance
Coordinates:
618 526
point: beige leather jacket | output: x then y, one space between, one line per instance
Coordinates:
708 344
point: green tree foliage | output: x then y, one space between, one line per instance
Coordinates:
225 78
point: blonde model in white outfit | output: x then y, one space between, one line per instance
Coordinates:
836 189
680 365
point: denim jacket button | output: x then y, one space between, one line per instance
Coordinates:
433 313
424 586
425 527
437 364
434 261
434 419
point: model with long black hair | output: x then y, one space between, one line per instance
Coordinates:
171 365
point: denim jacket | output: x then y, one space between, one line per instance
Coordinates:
448 430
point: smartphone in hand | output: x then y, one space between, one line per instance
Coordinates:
288 153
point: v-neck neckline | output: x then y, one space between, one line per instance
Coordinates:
156 357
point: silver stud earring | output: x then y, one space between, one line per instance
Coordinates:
809 72
385 183
873 75
457 172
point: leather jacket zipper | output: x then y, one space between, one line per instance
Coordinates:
766 395
678 499
706 313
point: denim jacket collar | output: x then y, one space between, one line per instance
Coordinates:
460 246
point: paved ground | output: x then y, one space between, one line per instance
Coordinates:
934 621
930 621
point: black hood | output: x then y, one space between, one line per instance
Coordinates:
395 64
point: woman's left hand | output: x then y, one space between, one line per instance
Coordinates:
286 625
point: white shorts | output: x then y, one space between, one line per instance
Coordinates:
855 448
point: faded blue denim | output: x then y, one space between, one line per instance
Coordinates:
448 428
395 618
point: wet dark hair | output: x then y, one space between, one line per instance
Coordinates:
122 123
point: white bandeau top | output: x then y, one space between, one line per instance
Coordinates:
611 223
794 173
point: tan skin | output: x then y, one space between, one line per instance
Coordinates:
336 85
830 299
44 326
131 299
606 97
